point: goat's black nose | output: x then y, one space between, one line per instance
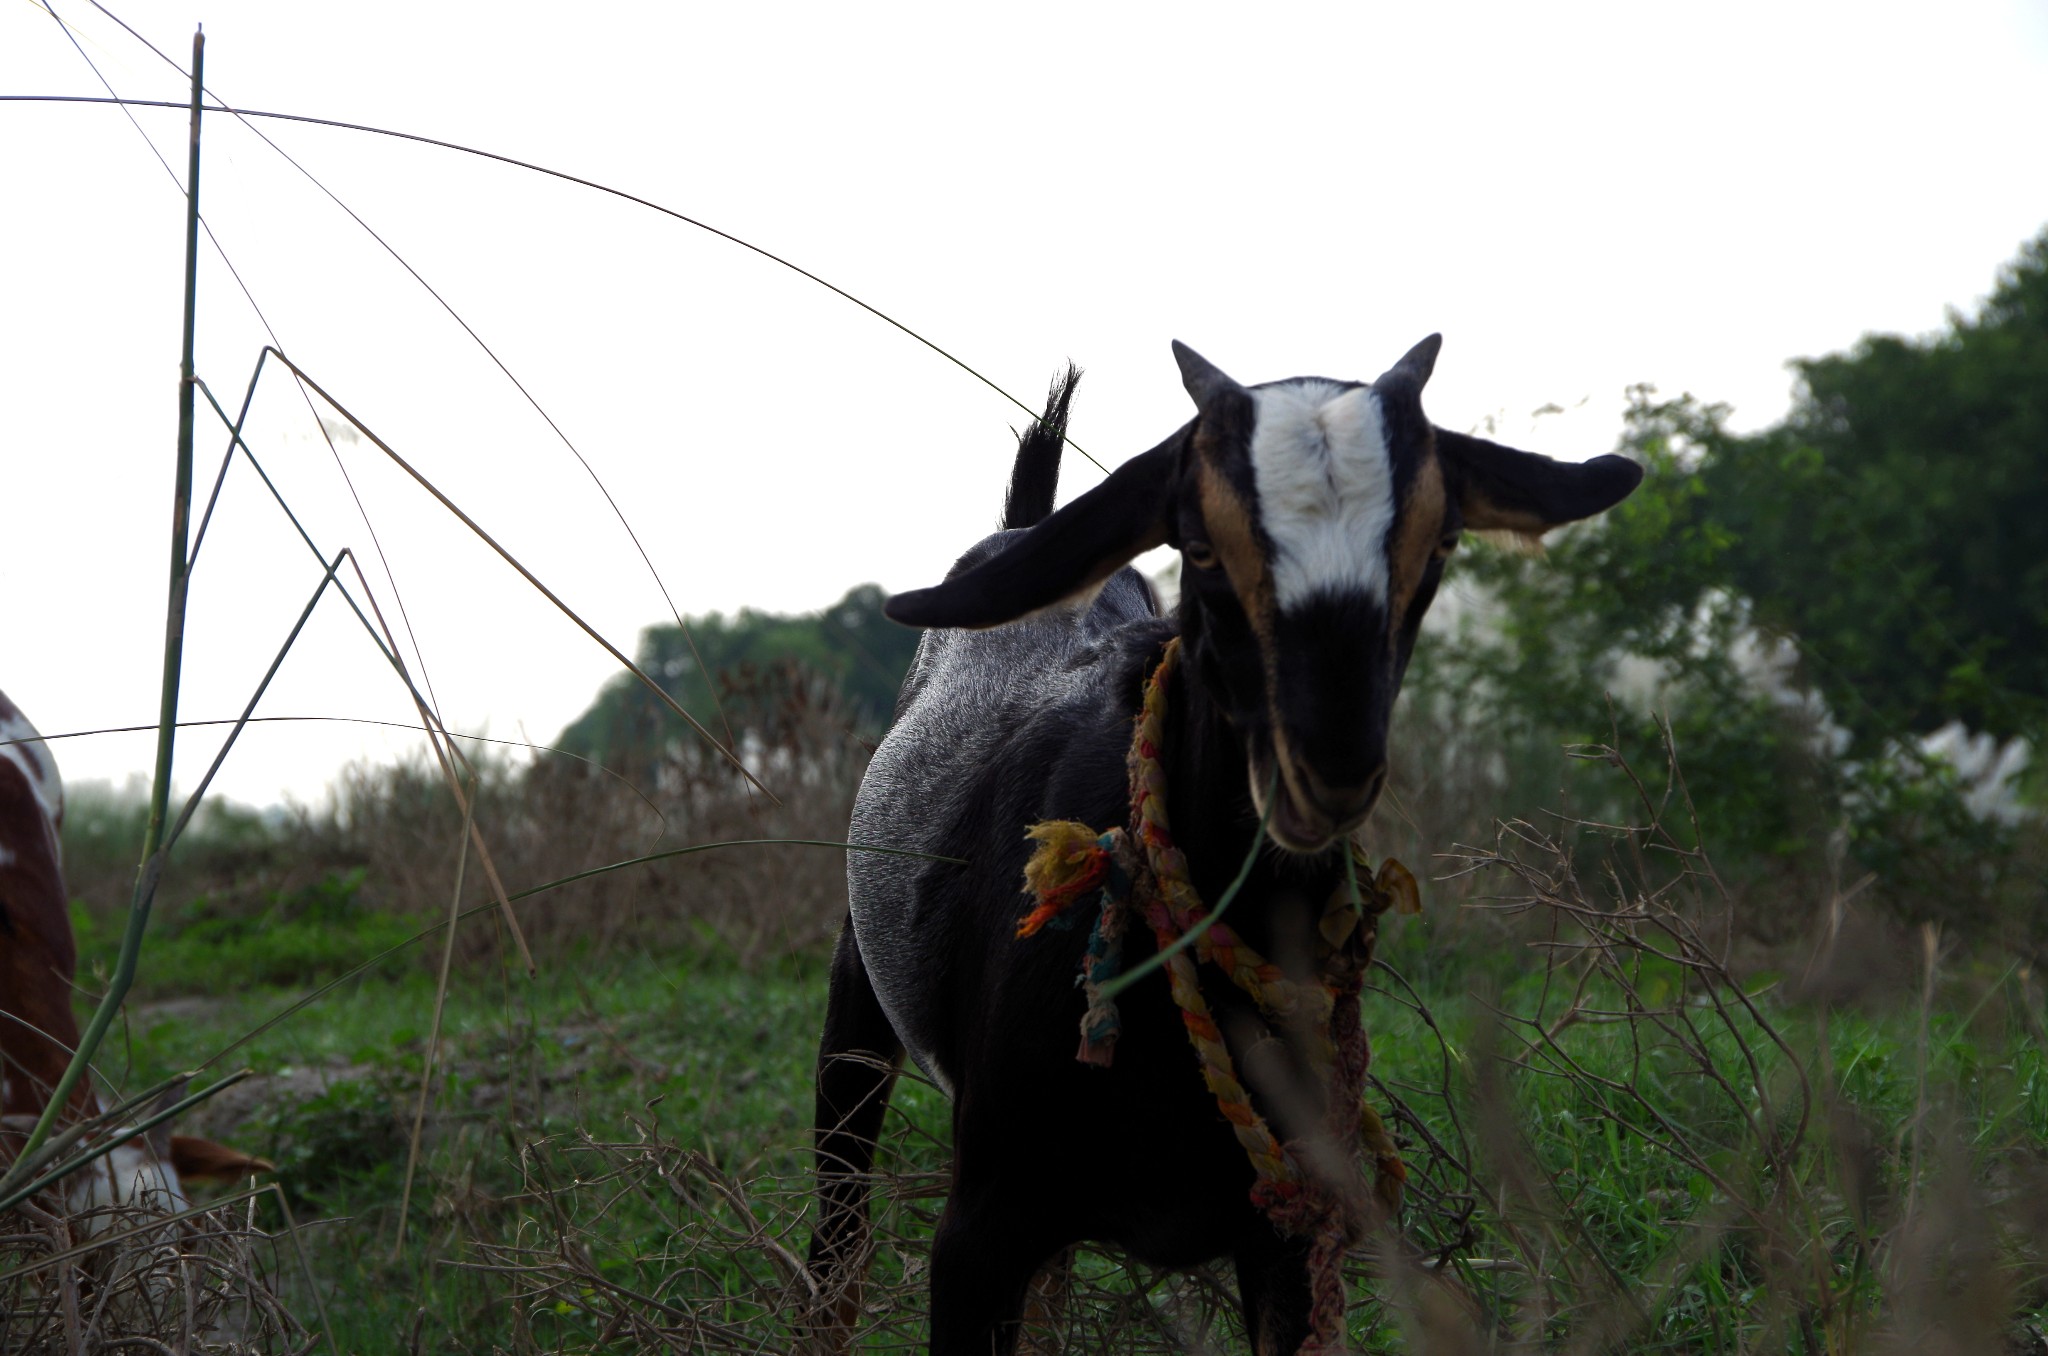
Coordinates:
1346 805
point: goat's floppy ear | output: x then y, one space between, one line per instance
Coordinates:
1076 548
1501 489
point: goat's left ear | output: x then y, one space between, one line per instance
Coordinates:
1500 489
1075 549
1411 374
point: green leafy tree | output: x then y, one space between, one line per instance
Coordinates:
1799 604
740 669
1897 520
1622 624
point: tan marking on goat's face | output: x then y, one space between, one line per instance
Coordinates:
1418 527
1228 520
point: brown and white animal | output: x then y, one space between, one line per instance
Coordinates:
38 1029
1313 520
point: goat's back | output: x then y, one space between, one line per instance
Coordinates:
995 730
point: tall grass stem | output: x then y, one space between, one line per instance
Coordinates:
566 177
419 1115
151 868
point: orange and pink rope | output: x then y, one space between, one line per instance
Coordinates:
1140 867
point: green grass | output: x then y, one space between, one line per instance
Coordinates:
722 1058
1766 1197
1657 1212
301 936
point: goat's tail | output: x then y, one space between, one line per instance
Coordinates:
1036 477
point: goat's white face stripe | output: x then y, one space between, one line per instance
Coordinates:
1326 489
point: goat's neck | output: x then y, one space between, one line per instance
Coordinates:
1214 823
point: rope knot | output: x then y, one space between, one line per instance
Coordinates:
1071 860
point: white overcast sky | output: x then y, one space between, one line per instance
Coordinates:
1580 197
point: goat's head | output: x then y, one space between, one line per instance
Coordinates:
1313 518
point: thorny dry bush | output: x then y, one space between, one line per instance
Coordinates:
1750 1204
1634 1148
558 817
126 1279
725 1272
546 818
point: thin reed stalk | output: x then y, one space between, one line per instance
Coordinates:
151 867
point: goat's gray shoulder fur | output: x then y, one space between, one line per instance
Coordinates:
970 699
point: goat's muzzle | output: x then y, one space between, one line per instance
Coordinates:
1309 814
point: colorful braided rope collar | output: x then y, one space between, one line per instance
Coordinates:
1140 868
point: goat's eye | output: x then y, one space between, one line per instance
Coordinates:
1200 554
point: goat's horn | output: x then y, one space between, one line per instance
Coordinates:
1415 365
1203 379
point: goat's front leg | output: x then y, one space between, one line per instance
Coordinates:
1045 1306
1273 1290
984 1257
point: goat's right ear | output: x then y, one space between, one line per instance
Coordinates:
1503 489
1075 549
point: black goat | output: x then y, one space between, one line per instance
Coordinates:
1313 518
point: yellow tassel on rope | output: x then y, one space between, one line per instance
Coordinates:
1069 862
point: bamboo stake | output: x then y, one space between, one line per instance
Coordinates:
151 867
